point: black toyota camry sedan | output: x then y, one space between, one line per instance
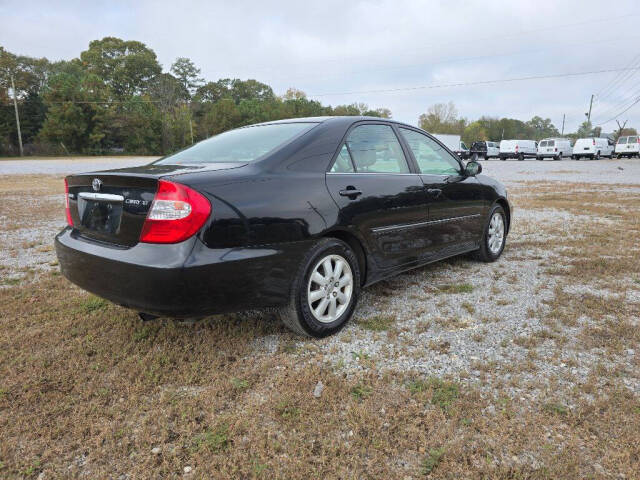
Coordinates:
295 214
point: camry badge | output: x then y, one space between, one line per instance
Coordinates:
96 184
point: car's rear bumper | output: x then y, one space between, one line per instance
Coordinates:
182 280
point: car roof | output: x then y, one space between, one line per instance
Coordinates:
333 119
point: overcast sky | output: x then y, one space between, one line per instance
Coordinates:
340 51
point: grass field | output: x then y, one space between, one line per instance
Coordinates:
89 391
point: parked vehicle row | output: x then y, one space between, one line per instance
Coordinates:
628 146
556 148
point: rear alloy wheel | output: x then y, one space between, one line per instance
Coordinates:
325 290
494 236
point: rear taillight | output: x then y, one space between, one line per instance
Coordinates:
66 203
516 148
177 213
555 149
594 141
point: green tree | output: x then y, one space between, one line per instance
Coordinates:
187 74
542 128
585 130
126 66
442 118
79 114
474 132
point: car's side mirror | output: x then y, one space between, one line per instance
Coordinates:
472 169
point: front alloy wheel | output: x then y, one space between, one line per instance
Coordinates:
494 236
330 288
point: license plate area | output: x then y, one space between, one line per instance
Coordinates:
100 213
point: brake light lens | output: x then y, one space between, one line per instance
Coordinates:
177 213
67 209
594 141
516 148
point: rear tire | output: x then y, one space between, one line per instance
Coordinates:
521 157
597 156
494 236
325 290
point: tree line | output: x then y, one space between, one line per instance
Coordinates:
444 118
115 97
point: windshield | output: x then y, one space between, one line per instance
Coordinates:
238 146
622 140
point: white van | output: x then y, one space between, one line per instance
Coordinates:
592 148
519 149
628 146
555 148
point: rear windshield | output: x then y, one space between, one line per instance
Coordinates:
543 143
633 139
622 140
238 146
478 146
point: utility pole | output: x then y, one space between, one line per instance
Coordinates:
620 128
563 117
590 105
15 106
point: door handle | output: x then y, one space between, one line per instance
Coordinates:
351 192
435 192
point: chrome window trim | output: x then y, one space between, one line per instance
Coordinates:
420 224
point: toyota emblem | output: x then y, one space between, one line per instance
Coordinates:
96 184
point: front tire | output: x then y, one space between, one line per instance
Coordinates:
325 290
494 236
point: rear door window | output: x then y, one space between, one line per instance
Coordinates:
343 162
633 140
622 140
376 149
432 158
543 144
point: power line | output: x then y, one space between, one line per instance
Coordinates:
635 102
479 82
609 87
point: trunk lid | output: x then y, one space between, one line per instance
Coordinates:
111 206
